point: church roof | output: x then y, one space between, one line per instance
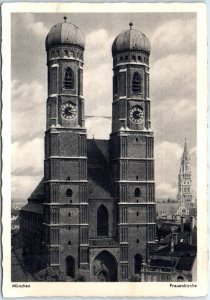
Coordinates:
185 263
99 173
131 39
38 193
180 249
65 33
33 207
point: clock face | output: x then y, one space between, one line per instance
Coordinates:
136 114
68 111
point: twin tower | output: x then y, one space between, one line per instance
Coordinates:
98 202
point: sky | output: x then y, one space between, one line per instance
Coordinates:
172 89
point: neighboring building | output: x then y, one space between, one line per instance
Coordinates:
175 256
185 193
94 211
172 263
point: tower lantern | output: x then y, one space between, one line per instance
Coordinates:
130 51
65 45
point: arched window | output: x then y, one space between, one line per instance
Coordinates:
70 266
137 263
102 221
137 192
136 83
69 193
137 241
69 79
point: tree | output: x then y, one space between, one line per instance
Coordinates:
134 278
50 274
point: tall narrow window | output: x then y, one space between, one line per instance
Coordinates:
115 85
69 79
102 221
136 83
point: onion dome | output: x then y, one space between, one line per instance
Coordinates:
131 39
65 33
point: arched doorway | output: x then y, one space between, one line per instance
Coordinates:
137 263
104 267
70 266
180 278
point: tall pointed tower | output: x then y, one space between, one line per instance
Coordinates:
185 193
131 144
65 166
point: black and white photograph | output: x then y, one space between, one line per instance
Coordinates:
107 140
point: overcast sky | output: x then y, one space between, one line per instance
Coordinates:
172 89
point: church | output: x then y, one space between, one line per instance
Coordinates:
94 214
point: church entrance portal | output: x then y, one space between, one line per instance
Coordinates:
104 267
70 266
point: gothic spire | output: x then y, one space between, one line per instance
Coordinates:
185 146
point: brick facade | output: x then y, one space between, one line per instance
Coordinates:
98 196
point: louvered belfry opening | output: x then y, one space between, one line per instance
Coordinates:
69 79
136 83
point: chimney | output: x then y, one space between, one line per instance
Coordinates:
182 223
172 242
175 238
192 225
